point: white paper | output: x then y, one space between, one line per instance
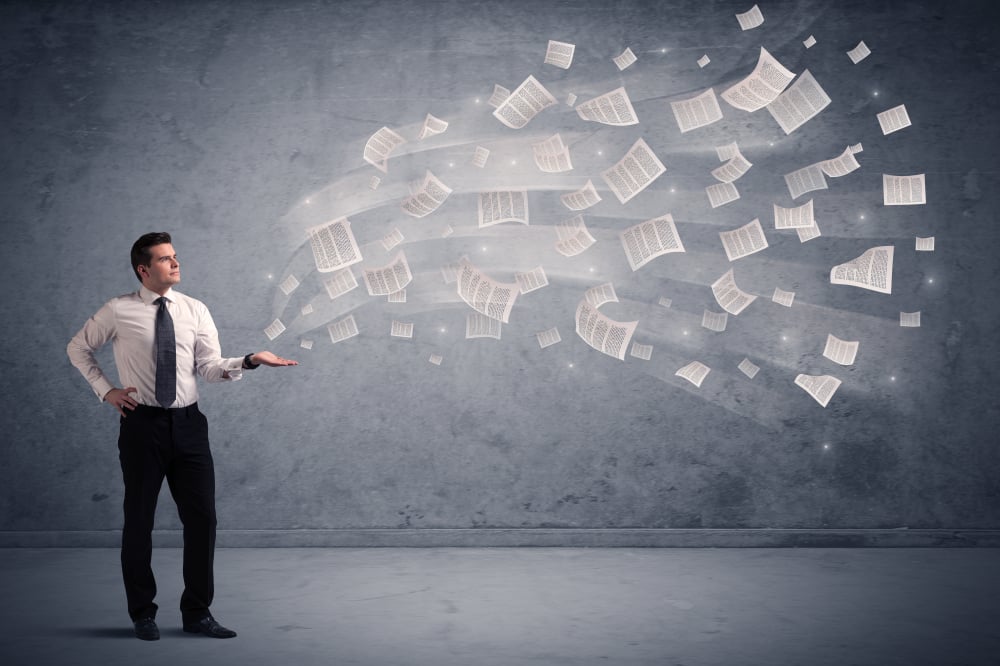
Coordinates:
721 193
306 344
573 236
734 168
625 59
820 387
909 319
840 351
859 52
396 297
762 86
665 302
581 199
645 352
531 280
903 190
808 233
729 296
379 146
559 54
388 279
333 245
340 283
925 244
803 100
428 198
480 326
485 295
548 337
432 126
613 108
872 270
748 368
704 60
650 239
841 165
374 182
505 206
601 294
806 179
794 218
401 329
695 372
714 321
743 241
570 99
751 18
392 239
479 157
552 155
602 333
343 329
728 151
698 111
435 359
500 94
894 119
275 329
809 42
782 297
634 172
526 102
289 284
307 309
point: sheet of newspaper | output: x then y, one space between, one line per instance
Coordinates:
751 18
484 294
581 199
721 193
340 283
432 126
435 359
744 241
306 344
809 42
548 337
450 271
748 368
650 239
388 279
820 387
665 302
728 151
333 245
645 352
392 239
275 329
577 240
894 119
806 179
872 270
841 165
531 280
479 157
768 79
808 233
400 329
289 284
505 206
699 111
480 326
500 94
909 319
602 333
559 54
307 309
343 329
379 146
925 244
793 218
396 297
714 321
613 108
601 294
526 102
695 372
428 198
803 100
733 169
634 172
782 297
625 59
374 182
570 99
840 351
903 190
730 297
552 155
703 61
859 52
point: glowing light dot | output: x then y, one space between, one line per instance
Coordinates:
826 446
663 50
892 378
451 164
477 100
861 217
673 190
513 162
685 332
484 248
571 365
591 269
875 93
930 280
308 201
442 329
600 152
270 277
784 338
770 143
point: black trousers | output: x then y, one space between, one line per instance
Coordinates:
153 444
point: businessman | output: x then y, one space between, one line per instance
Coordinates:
162 341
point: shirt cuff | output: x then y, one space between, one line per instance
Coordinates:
234 368
101 388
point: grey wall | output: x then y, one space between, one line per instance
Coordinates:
238 125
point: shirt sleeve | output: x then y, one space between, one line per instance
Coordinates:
208 354
96 332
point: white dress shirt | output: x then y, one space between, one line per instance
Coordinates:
129 322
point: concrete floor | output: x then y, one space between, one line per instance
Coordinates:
521 606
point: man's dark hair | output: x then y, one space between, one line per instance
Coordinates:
140 249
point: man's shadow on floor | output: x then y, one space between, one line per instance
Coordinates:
122 632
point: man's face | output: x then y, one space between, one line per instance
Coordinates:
164 271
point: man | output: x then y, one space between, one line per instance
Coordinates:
161 340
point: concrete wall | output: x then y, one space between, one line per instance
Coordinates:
236 126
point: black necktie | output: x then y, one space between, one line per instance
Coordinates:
166 355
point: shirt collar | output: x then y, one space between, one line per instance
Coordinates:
149 297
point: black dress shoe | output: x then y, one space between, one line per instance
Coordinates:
145 629
209 627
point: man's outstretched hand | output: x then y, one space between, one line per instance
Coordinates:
271 359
